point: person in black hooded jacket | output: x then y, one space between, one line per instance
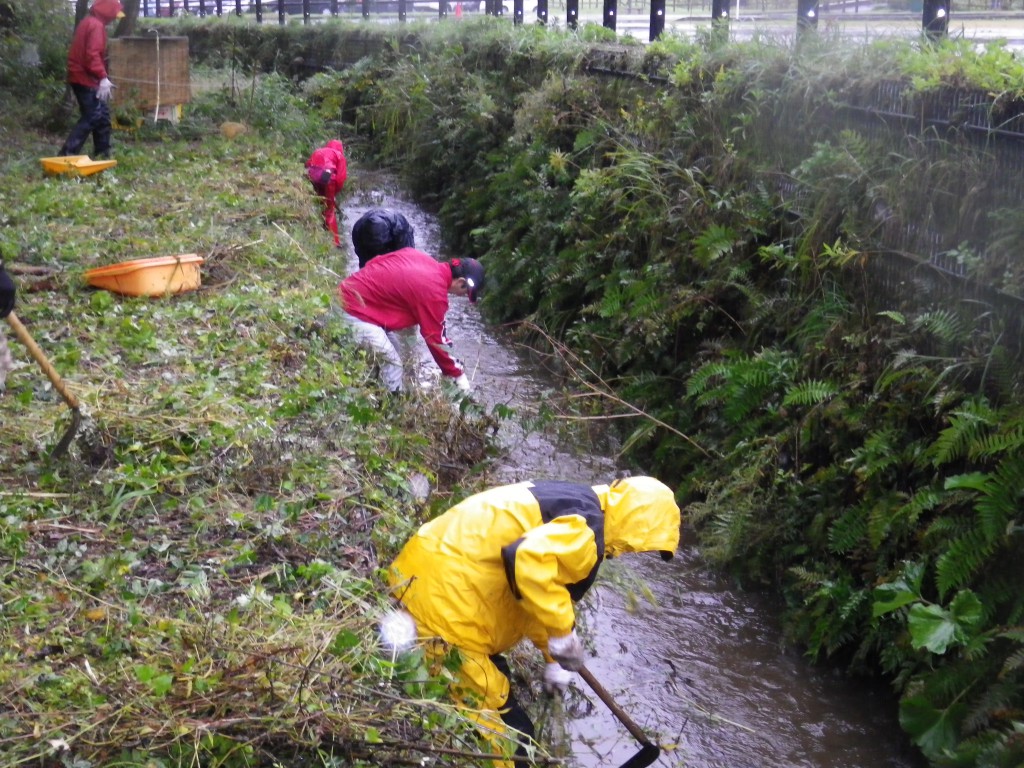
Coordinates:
380 231
7 294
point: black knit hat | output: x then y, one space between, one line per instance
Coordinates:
380 231
473 271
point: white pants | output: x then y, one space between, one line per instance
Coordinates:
384 349
6 363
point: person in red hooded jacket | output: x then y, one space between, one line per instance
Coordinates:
87 75
403 289
327 170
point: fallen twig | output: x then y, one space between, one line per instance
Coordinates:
602 389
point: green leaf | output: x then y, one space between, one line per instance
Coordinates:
933 730
161 684
585 139
931 627
936 628
144 673
897 317
966 609
343 641
372 735
978 481
101 301
900 592
889 597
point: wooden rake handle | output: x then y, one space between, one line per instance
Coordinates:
38 355
635 730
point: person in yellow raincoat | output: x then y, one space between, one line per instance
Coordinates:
508 564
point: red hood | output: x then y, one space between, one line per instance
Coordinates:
335 144
106 10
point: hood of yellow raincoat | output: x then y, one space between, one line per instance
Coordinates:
640 515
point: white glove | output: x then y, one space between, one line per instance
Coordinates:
556 679
103 90
462 383
567 651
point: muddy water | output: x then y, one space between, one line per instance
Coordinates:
704 671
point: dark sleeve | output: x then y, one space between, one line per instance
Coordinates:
7 292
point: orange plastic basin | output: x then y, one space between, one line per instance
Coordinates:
158 276
76 165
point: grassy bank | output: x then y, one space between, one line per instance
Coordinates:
693 227
196 581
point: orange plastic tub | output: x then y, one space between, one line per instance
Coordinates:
158 276
75 165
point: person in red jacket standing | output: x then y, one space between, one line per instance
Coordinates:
327 171
398 290
87 75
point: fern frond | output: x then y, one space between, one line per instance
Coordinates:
963 559
896 317
966 426
810 392
944 324
699 385
878 453
713 243
1002 498
805 577
999 696
925 499
1013 662
897 371
888 509
849 531
988 446
639 436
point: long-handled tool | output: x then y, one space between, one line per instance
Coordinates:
55 379
649 751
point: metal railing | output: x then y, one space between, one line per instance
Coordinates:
282 10
934 15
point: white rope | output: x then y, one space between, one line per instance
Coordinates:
156 111
143 81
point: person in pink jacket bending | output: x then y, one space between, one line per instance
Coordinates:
87 75
327 170
401 289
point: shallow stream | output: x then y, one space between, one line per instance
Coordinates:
704 669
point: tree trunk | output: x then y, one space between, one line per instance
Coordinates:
126 26
81 9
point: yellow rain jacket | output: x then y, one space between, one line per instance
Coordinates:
508 563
